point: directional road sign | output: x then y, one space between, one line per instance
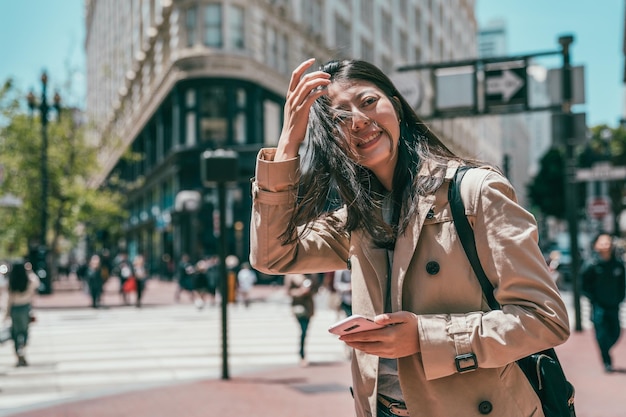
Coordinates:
505 86
601 172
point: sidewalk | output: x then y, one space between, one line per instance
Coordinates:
322 388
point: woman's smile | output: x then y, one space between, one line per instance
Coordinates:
370 140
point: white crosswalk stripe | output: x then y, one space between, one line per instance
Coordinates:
75 353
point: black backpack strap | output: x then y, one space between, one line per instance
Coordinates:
466 235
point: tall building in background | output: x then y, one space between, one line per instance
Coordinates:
169 79
525 136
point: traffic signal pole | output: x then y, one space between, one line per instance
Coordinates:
570 174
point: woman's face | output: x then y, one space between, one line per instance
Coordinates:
604 246
369 121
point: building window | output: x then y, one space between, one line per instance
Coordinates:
386 28
312 16
403 46
240 133
367 51
190 98
367 13
213 25
282 64
191 25
272 121
190 129
343 37
271 46
146 19
214 115
237 36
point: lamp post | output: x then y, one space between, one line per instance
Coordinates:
217 168
40 264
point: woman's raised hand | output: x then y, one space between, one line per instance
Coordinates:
303 91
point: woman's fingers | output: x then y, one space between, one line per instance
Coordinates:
304 89
308 90
296 75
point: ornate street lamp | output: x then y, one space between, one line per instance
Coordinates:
39 263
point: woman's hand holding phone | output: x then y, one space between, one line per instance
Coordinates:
389 335
354 324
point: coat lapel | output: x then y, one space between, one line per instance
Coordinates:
407 243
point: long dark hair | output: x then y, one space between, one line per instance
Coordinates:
331 177
18 278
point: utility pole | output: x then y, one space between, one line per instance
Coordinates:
570 172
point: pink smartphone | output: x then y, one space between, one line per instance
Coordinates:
353 324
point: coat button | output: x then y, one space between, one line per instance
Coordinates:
430 214
432 267
485 407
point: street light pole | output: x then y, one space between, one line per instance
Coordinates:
44 109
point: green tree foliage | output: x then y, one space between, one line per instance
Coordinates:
605 144
547 190
73 206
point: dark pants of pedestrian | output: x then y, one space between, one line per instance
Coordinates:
95 290
141 285
607 330
346 308
304 325
122 292
20 320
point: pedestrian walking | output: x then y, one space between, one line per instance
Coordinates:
95 280
200 283
23 284
301 288
213 277
185 271
343 286
604 284
442 351
140 272
246 278
124 271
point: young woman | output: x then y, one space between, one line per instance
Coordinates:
23 284
442 353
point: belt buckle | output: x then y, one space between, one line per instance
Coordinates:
396 408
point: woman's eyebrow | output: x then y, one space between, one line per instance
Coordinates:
358 96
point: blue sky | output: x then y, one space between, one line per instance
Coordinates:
44 34
47 34
598 30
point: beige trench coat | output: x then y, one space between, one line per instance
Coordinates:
431 277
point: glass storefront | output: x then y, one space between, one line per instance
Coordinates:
198 114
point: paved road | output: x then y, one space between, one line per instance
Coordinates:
76 351
264 382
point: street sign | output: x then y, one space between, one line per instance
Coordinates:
601 172
505 85
598 207
555 85
410 86
579 134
